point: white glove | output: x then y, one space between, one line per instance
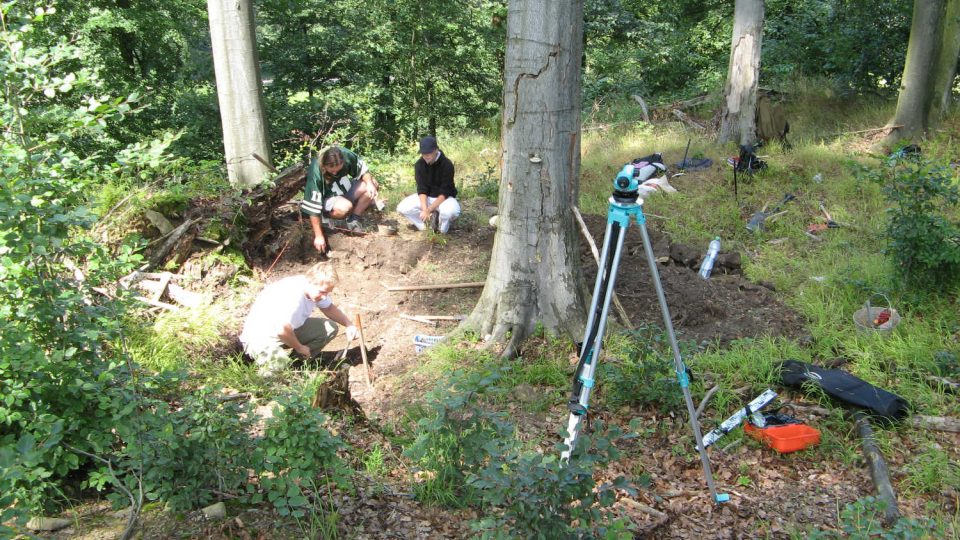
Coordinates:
351 332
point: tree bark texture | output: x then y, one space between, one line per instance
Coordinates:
945 70
738 122
239 90
916 93
534 275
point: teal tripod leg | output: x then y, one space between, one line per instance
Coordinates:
583 379
679 366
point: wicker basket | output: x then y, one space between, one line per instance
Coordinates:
864 318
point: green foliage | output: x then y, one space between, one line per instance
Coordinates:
862 519
643 373
374 74
532 495
924 244
59 377
932 471
296 451
181 455
856 45
452 434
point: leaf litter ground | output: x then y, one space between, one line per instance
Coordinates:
772 495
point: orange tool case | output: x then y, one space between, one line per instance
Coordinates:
784 438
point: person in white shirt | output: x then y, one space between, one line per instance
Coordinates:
280 321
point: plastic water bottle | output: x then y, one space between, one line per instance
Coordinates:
707 265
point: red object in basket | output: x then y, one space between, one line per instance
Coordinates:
786 438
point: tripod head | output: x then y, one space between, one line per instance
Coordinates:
626 185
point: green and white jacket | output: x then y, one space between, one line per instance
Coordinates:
317 191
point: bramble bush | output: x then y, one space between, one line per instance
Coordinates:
469 457
644 374
296 450
451 436
531 495
58 371
75 412
923 242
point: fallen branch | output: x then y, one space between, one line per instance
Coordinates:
946 383
622 313
234 397
136 503
692 102
184 297
643 107
168 245
104 217
878 469
898 126
155 303
645 508
936 423
686 120
706 398
393 288
164 281
418 319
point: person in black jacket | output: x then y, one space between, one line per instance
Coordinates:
435 202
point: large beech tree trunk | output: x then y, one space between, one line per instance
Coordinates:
534 274
239 90
743 74
945 70
916 89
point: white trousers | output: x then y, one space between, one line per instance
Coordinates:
449 210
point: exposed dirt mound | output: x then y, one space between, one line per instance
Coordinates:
723 308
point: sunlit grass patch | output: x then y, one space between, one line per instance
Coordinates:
179 339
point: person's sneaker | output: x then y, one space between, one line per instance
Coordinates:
353 224
435 221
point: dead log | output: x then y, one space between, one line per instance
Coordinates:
686 120
936 423
878 468
184 297
334 393
178 243
262 203
643 107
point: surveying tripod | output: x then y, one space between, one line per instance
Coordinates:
623 204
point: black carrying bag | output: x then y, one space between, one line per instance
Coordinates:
845 387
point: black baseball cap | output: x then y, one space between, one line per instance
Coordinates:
428 144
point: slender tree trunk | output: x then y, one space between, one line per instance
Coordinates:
945 70
916 94
534 274
239 90
743 74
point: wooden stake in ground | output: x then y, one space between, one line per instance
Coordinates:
363 350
